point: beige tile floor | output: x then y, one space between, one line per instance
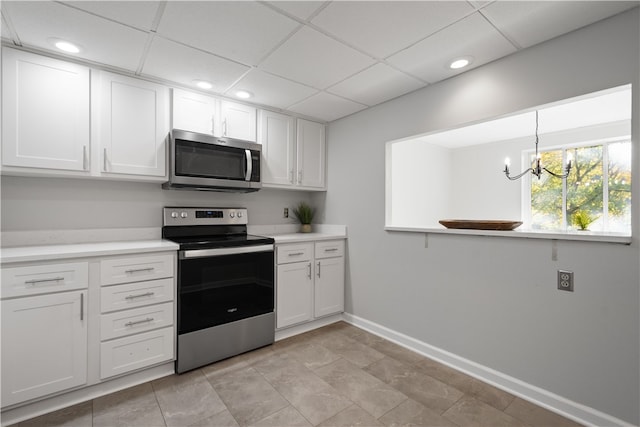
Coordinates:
338 375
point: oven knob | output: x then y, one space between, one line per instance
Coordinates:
239 214
232 214
183 214
174 214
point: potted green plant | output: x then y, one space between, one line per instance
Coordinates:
304 213
581 219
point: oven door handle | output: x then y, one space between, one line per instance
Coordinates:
199 253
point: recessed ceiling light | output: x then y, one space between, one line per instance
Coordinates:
460 62
65 45
203 84
243 94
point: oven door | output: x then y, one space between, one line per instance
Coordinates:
218 286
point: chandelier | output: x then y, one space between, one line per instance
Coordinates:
536 167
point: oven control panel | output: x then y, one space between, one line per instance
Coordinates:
204 216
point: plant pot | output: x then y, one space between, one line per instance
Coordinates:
305 228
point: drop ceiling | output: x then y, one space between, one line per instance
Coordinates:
323 60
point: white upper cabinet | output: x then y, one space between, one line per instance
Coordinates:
194 112
133 125
311 154
212 116
45 113
238 120
277 137
292 160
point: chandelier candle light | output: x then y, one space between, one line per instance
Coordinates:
537 168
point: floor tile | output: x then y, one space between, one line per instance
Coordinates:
424 389
311 396
79 415
221 419
537 416
248 396
411 413
187 398
287 417
135 406
396 351
313 355
468 385
352 350
367 391
470 412
352 416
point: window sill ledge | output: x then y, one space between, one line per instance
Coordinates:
584 236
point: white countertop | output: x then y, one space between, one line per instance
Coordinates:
288 233
82 250
305 237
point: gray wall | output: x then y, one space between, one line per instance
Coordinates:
65 204
493 300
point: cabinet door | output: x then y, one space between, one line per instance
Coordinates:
294 293
329 286
238 121
45 112
194 112
278 146
311 154
134 126
44 345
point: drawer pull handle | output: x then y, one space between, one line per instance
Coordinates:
138 270
146 294
296 253
331 250
139 322
34 281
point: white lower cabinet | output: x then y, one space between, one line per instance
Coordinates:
309 281
44 337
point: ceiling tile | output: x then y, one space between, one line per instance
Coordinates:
384 27
375 85
300 9
139 14
166 60
101 40
326 107
239 30
473 36
271 90
311 58
531 22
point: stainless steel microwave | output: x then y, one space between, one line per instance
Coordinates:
205 162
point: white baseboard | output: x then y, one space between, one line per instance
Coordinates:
306 327
544 398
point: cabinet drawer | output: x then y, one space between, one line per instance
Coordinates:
133 295
39 279
129 322
135 352
135 269
294 253
329 249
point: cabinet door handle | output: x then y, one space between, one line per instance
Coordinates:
137 270
299 177
104 160
309 275
34 281
224 127
291 176
318 268
213 124
81 306
146 294
84 157
139 322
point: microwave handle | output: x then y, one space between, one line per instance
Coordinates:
247 176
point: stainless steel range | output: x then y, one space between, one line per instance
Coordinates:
225 284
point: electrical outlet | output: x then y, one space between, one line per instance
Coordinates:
286 212
565 280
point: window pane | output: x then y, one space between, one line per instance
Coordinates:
620 186
584 189
546 194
